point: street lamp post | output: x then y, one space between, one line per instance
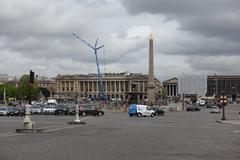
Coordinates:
183 102
223 99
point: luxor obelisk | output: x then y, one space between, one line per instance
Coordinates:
151 84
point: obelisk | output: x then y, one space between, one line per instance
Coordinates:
151 84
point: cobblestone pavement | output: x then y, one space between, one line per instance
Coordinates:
116 136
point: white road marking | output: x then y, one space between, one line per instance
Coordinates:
67 126
6 133
9 134
237 131
62 128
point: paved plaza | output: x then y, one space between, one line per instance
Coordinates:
116 136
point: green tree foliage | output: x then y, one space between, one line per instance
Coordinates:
11 92
45 92
22 92
163 93
24 89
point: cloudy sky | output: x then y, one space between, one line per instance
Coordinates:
190 37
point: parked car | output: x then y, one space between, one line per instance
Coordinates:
72 109
16 111
49 109
209 105
193 107
36 109
158 111
214 109
3 111
140 110
88 109
62 109
219 105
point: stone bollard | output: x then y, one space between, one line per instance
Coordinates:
77 114
27 120
77 120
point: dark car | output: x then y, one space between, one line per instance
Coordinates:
72 109
88 109
209 105
16 111
158 111
193 107
219 105
62 109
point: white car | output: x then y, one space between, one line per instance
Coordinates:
3 111
214 109
49 109
36 109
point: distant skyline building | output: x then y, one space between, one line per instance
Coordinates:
228 85
3 78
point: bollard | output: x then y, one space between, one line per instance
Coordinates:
77 114
77 120
28 124
27 120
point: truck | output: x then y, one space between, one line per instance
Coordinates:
140 110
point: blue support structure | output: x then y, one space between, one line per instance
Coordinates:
95 48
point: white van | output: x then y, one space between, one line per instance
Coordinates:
140 110
52 102
202 102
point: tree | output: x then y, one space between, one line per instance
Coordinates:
45 92
163 93
24 88
11 91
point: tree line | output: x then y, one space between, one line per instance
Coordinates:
22 92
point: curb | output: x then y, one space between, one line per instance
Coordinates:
39 130
227 122
218 121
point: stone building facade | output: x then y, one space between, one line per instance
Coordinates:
171 86
118 86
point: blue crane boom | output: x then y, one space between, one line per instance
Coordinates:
95 48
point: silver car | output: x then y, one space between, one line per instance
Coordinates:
3 111
214 109
49 109
36 109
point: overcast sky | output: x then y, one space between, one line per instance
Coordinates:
190 37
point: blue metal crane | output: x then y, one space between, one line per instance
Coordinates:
95 48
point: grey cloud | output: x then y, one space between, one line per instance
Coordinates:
38 34
222 64
213 18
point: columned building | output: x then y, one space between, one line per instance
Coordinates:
120 86
171 86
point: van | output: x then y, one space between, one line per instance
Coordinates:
140 110
52 102
202 102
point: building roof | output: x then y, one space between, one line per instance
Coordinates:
123 75
171 81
